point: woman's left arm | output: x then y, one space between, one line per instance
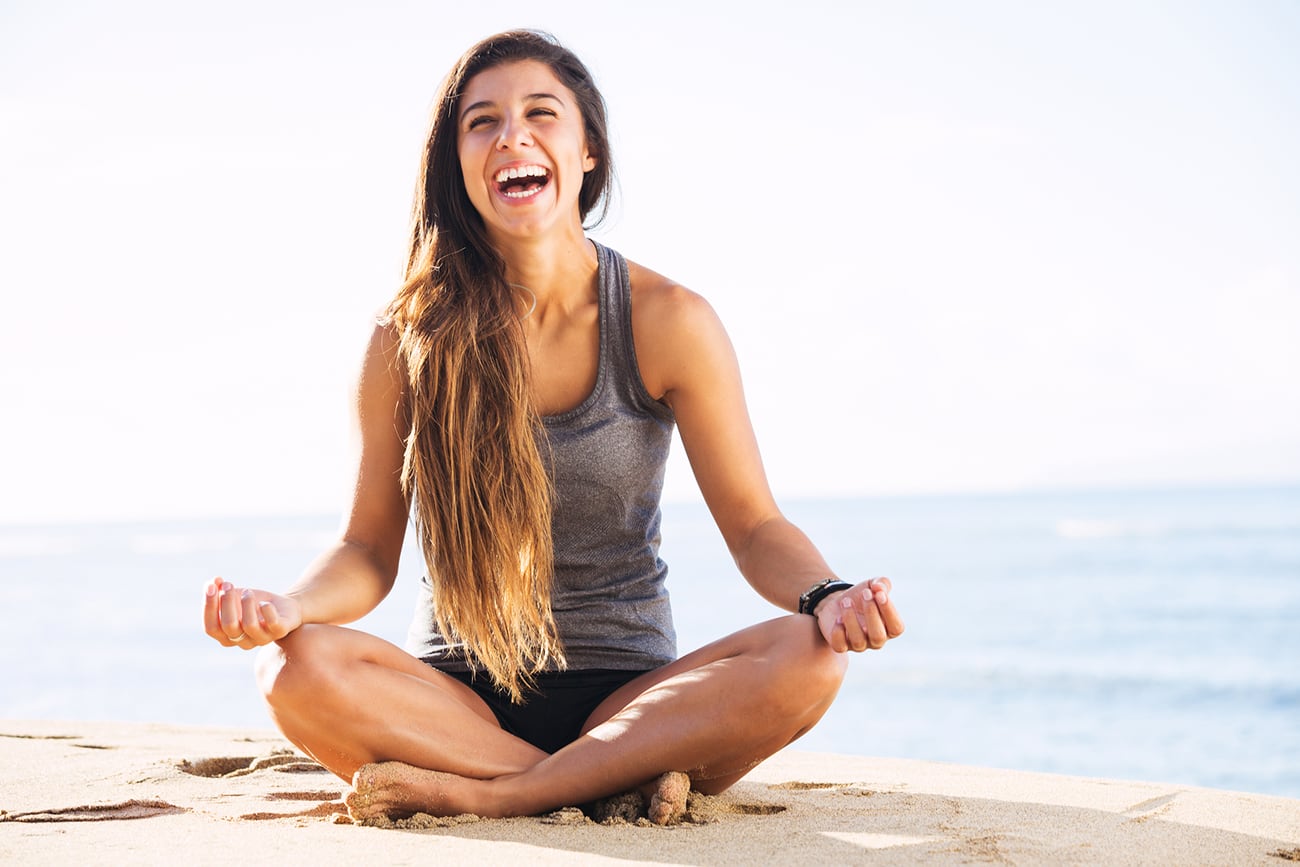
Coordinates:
688 361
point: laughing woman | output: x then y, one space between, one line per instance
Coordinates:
518 399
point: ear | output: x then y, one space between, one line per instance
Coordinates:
588 162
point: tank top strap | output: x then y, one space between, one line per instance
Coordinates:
617 348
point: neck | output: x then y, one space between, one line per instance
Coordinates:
556 273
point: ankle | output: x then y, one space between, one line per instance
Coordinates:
505 796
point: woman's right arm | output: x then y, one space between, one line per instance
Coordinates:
355 574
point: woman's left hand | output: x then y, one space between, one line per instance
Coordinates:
862 616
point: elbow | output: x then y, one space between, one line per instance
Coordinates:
381 564
744 544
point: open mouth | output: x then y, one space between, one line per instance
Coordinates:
521 182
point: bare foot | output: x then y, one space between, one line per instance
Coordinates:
668 800
395 790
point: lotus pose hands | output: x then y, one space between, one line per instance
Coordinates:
248 618
861 617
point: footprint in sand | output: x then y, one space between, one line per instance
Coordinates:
842 788
331 804
707 809
238 766
97 812
57 738
304 796
1150 809
755 809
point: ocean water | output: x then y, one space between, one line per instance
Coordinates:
1147 635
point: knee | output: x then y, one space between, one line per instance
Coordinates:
294 666
811 673
823 667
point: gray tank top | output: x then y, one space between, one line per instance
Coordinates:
608 453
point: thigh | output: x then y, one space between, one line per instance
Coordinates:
335 647
752 692
349 698
778 641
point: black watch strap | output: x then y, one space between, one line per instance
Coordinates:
815 594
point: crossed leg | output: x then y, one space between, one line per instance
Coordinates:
412 739
347 698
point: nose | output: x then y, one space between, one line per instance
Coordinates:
514 133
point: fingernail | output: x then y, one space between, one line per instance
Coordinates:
211 589
846 602
247 594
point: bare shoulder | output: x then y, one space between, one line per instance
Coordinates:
664 302
385 341
674 329
382 380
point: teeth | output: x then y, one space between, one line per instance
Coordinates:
520 172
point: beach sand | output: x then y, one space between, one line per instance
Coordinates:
122 793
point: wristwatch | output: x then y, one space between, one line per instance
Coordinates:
819 591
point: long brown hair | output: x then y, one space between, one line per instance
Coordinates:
474 465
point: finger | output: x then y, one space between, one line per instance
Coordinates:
231 626
249 619
828 624
211 613
854 637
834 632
861 597
881 588
275 627
893 622
874 625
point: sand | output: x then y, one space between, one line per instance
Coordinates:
116 793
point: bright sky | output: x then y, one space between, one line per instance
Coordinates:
958 246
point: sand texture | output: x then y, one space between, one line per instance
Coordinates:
117 793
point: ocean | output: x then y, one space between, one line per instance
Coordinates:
1148 635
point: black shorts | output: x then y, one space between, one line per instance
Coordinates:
553 715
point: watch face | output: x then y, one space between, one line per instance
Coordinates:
808 594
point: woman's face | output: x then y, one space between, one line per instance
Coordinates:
523 149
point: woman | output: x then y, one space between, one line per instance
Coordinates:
520 395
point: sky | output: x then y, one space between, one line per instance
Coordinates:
959 247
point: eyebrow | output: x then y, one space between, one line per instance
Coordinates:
487 103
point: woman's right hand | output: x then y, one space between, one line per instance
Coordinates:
248 618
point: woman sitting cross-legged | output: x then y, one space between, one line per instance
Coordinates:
518 398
